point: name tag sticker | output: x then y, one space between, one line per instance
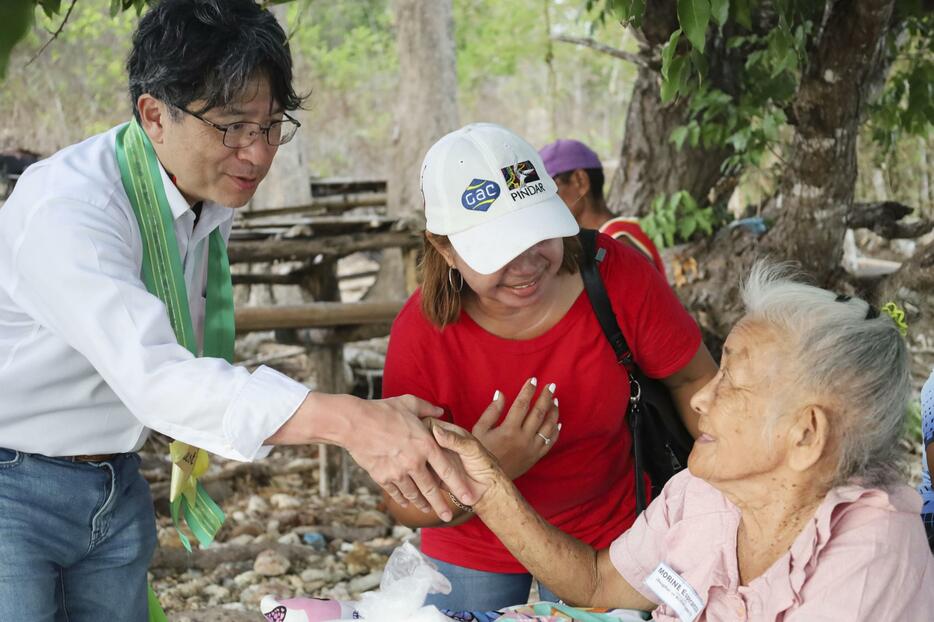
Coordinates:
675 592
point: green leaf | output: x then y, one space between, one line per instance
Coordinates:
674 200
50 7
742 12
668 52
628 11
720 10
695 132
704 219
17 17
115 7
699 61
694 15
669 236
672 85
770 127
686 227
690 205
678 136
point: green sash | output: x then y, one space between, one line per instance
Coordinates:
163 275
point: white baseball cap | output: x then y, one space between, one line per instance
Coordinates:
488 191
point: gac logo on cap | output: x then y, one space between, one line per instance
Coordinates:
480 194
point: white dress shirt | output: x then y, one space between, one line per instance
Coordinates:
88 359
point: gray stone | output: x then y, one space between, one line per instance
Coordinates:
271 563
365 583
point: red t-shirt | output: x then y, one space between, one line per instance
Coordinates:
631 230
584 486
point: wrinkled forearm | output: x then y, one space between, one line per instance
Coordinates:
566 565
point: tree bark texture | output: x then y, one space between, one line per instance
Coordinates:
649 163
815 192
426 109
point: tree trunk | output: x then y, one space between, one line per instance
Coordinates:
426 109
649 163
816 189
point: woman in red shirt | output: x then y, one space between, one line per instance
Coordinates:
502 315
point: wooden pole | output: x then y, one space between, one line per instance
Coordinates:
336 246
316 315
336 203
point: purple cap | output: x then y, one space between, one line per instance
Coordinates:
566 155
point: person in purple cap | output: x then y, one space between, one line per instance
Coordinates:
579 174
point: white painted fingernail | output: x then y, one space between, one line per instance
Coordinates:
556 402
496 395
559 426
552 387
533 382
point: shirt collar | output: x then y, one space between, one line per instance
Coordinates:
212 214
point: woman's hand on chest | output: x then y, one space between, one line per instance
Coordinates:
526 434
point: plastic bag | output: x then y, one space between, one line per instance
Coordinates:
407 579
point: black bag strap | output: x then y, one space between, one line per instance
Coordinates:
596 291
600 301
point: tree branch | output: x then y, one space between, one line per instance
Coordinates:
606 49
883 219
54 34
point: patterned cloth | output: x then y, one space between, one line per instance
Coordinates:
928 520
927 433
316 609
548 612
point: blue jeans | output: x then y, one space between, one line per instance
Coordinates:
476 590
75 539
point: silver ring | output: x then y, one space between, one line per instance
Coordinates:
544 438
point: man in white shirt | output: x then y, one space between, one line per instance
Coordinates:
90 359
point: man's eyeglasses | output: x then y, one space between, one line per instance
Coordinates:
243 134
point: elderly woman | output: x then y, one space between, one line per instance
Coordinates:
502 316
792 507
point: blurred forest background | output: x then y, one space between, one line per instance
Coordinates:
509 71
345 56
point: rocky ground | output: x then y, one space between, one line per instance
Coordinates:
281 537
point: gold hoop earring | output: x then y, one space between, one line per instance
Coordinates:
460 286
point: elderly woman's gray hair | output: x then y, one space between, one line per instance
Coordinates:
845 350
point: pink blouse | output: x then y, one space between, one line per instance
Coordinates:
864 556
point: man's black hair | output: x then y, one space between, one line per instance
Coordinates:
595 175
187 50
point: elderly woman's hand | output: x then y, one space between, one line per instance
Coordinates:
527 433
481 468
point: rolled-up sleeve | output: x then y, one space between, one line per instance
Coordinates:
77 274
637 552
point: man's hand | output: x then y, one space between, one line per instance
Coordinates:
526 434
391 443
388 439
